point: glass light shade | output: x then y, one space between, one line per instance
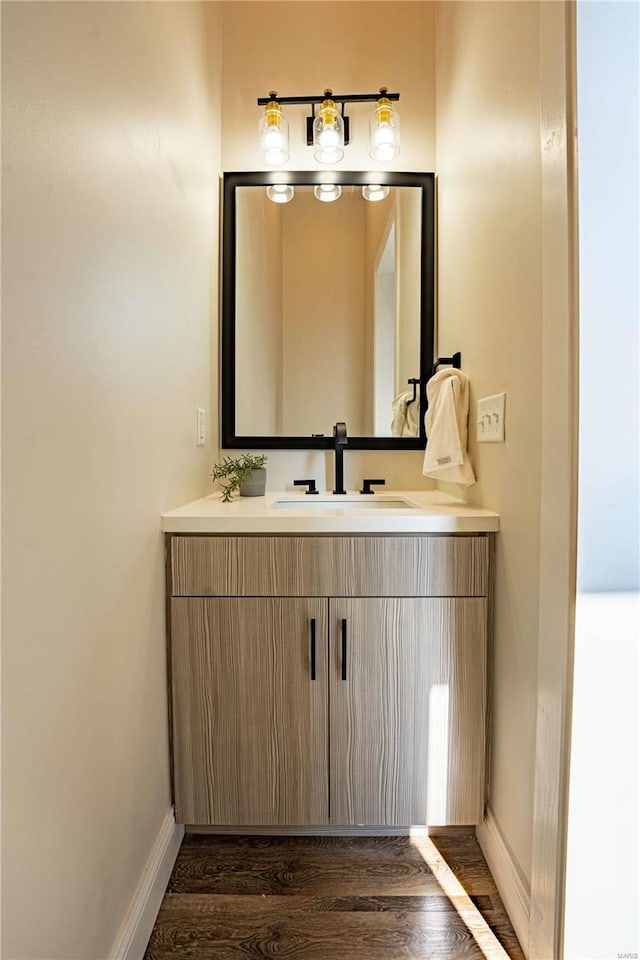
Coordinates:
327 192
280 192
273 135
375 192
328 133
384 132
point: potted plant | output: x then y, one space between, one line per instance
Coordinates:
245 473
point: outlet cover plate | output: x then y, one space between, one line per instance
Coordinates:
490 419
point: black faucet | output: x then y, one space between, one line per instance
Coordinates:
339 442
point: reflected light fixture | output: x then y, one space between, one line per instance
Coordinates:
280 192
375 192
327 192
328 126
384 130
273 132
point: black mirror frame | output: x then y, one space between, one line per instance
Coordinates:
231 181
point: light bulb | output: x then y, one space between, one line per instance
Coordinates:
375 192
274 148
280 192
383 137
328 138
327 192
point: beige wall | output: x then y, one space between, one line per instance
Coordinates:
109 210
408 260
258 313
276 45
559 474
323 314
379 222
490 289
301 48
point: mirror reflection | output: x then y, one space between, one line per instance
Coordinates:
328 314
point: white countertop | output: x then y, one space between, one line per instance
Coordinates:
432 512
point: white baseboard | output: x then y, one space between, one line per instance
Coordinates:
512 885
134 934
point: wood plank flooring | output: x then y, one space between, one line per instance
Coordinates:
332 898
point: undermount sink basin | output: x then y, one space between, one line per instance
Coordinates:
343 503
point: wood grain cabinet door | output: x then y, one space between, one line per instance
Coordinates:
250 710
407 710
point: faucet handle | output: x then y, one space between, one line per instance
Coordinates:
367 484
310 484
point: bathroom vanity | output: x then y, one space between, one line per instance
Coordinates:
328 664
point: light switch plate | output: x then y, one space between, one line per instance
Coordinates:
201 428
490 419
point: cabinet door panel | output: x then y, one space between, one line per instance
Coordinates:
250 725
407 726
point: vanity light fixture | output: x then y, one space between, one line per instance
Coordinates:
273 131
280 192
384 130
327 192
328 126
375 192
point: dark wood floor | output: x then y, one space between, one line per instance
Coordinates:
332 898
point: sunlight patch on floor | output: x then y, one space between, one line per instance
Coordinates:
460 900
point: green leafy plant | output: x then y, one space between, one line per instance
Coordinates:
233 470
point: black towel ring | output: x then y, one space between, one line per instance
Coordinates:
454 361
413 381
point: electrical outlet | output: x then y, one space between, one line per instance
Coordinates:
201 428
490 420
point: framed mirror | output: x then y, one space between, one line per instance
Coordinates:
327 309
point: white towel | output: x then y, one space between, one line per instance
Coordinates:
405 416
399 408
412 426
446 456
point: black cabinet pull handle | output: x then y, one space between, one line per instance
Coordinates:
343 628
313 648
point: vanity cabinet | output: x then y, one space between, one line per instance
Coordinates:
328 681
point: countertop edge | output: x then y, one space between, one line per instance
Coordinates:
331 525
436 513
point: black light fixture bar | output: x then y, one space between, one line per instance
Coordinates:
338 97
